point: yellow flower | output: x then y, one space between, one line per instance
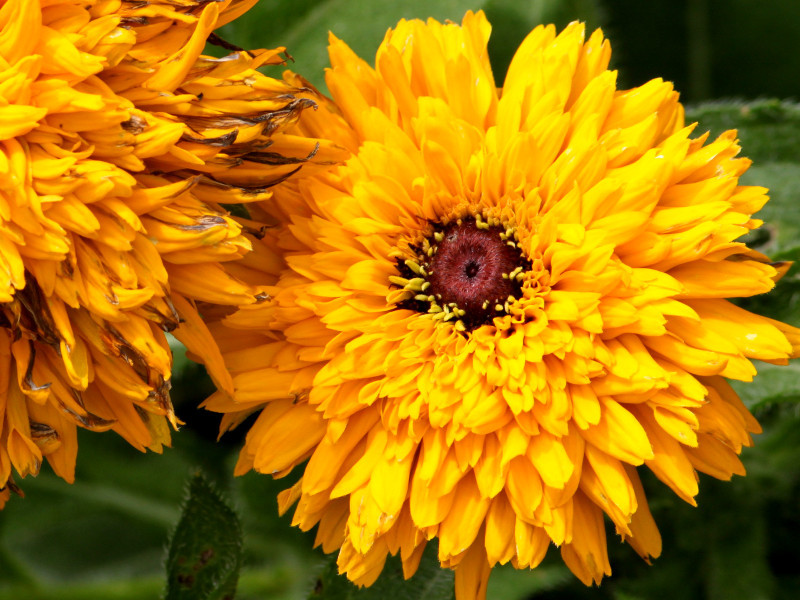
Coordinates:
502 304
120 144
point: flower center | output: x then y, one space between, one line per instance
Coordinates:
468 271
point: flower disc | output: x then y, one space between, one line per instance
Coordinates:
468 271
502 304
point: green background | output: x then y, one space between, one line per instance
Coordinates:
107 535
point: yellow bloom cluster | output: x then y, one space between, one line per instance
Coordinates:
501 305
120 144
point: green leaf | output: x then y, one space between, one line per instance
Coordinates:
780 215
774 384
303 25
769 133
769 130
205 553
430 582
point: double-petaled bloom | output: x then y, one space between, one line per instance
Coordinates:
120 146
502 304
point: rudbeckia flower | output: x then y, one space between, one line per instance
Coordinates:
501 305
120 145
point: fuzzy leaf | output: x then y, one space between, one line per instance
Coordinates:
205 553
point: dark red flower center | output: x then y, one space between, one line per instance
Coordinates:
468 271
468 268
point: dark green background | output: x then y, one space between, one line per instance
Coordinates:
708 48
105 536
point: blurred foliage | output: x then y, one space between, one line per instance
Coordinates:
105 536
303 25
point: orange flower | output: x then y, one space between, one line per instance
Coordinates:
502 304
120 146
